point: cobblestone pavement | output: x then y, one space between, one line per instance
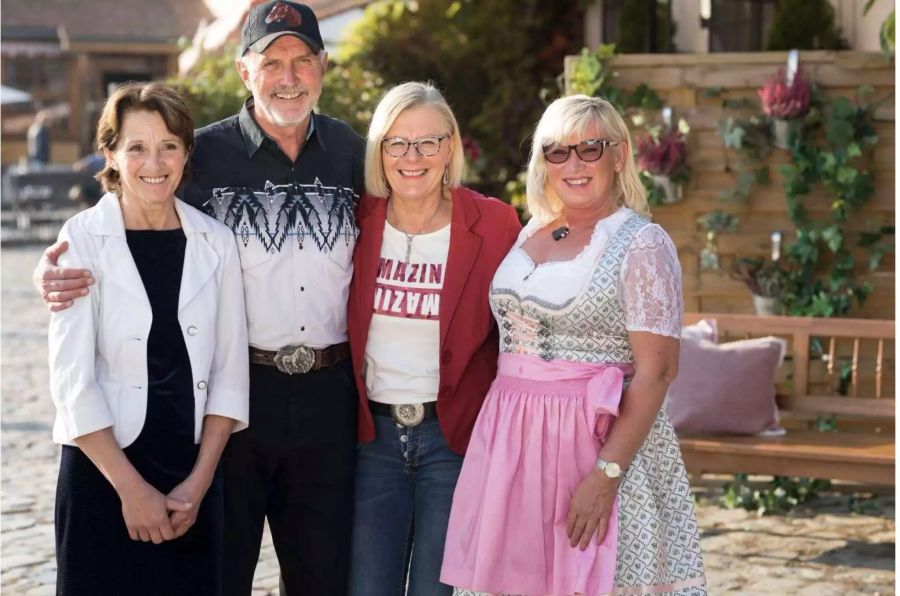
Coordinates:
821 550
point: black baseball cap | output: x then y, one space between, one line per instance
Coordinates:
268 21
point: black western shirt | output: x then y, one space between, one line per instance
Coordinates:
293 222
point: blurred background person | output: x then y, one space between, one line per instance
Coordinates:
38 140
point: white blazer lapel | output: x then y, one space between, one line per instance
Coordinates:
200 262
121 270
200 259
117 263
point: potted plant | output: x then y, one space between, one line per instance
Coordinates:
662 159
785 99
714 223
765 280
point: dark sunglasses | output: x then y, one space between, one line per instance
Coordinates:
589 150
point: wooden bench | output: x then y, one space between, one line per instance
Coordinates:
860 449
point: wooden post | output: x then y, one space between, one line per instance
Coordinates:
801 364
879 365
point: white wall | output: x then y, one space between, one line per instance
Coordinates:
861 32
690 36
334 28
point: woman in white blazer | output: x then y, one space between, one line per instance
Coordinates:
149 374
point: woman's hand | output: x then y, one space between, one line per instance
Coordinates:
656 364
191 491
146 513
145 509
592 503
216 432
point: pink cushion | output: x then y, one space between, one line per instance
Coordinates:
702 329
725 388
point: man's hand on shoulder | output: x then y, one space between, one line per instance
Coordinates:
59 286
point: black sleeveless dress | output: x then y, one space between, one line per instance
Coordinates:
95 555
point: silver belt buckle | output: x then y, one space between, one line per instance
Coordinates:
408 415
294 359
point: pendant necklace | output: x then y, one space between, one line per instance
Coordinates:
560 232
409 237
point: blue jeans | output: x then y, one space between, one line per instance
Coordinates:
404 488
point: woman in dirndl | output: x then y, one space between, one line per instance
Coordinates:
573 482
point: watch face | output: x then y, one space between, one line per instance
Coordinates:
612 470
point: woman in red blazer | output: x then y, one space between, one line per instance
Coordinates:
423 339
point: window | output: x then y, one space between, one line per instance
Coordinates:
740 25
639 26
45 78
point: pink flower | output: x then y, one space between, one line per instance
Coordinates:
471 149
663 155
779 100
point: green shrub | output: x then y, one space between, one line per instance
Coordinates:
490 59
213 89
350 93
804 25
634 27
778 497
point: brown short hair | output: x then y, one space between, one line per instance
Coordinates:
150 97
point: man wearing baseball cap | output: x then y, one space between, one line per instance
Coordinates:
286 181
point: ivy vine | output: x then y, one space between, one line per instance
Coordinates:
778 497
746 131
718 221
829 147
830 151
593 76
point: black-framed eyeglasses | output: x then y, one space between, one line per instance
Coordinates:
426 146
589 150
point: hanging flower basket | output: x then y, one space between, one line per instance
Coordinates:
671 190
662 159
766 305
709 256
781 132
765 280
785 102
714 222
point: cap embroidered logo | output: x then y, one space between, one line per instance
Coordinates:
281 12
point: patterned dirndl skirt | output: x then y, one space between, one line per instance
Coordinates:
535 439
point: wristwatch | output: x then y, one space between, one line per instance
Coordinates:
610 468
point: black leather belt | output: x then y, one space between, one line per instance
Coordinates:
296 359
407 415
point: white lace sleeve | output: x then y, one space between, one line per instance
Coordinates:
650 284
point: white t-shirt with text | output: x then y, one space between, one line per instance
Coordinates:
402 364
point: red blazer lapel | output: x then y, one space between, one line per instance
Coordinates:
464 247
370 220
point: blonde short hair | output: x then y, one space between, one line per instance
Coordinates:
565 118
391 105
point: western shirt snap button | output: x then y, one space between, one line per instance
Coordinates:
192 330
201 385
